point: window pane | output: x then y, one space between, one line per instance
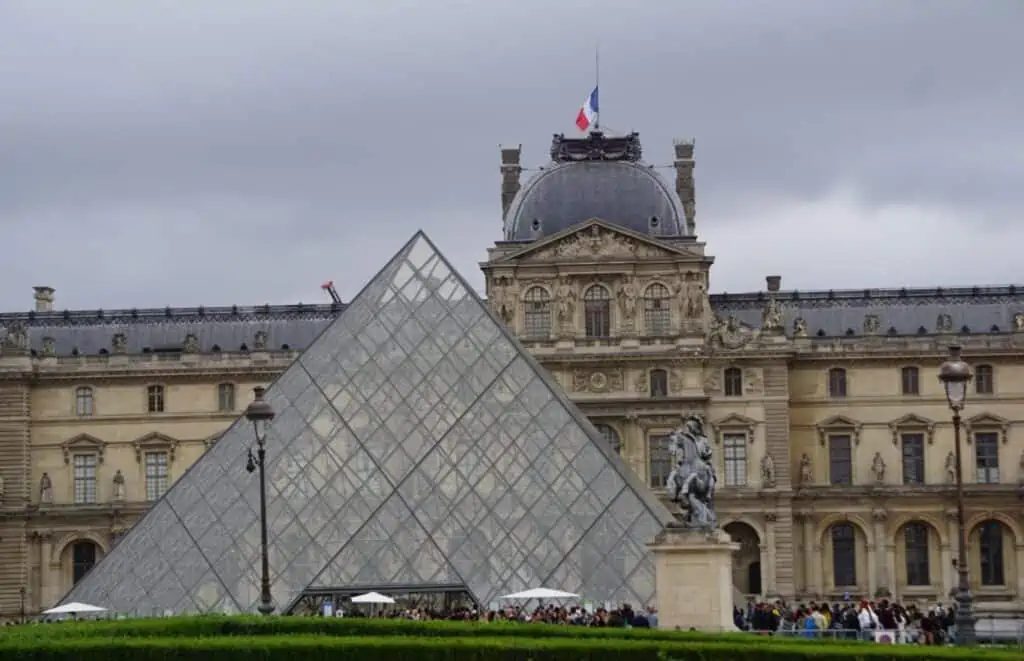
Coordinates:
83 557
983 380
915 537
837 382
990 538
840 460
844 555
537 314
659 383
657 310
733 382
734 452
597 312
155 396
156 475
83 401
986 457
660 464
226 397
910 381
85 479
913 458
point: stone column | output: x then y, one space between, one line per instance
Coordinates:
812 577
46 587
768 584
1020 564
881 574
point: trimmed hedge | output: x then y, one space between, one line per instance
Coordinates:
408 648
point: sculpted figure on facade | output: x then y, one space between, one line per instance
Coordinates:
695 295
259 341
944 323
806 471
871 324
504 299
191 343
693 480
566 296
119 486
1018 322
951 467
767 471
119 342
627 296
45 489
16 339
800 327
772 318
49 347
878 468
731 333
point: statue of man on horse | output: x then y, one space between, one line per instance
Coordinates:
693 479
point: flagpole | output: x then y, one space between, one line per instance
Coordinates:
597 85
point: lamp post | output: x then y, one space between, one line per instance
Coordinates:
955 375
260 413
21 593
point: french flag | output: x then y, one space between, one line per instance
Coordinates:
588 113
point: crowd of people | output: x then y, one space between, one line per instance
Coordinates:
622 616
864 620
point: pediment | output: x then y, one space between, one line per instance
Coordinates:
734 422
912 421
83 443
986 421
155 441
596 239
838 423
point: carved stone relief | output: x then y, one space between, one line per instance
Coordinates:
191 343
597 381
871 324
119 342
731 333
641 383
16 339
627 298
771 316
259 341
49 347
595 242
504 299
800 327
878 467
806 471
1018 322
566 298
944 323
753 381
713 380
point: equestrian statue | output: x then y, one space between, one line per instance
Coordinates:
692 480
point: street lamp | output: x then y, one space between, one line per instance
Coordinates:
955 375
260 413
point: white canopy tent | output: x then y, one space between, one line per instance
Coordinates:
75 608
539 593
372 598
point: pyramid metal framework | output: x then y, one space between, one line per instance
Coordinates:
417 443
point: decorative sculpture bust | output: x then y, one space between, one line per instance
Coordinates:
693 479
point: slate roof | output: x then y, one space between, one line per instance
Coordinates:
900 311
90 332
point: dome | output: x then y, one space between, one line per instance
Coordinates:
595 177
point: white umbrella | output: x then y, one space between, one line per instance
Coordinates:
539 593
75 608
372 598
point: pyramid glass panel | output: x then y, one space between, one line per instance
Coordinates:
417 445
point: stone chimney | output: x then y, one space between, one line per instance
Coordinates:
44 298
685 188
510 171
774 283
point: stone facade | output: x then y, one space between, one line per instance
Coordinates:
831 429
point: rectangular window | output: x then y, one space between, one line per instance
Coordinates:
85 479
226 397
913 458
915 535
660 462
83 402
155 399
734 451
840 460
156 475
986 457
911 385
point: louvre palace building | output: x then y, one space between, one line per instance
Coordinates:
831 431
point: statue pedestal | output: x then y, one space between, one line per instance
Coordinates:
693 578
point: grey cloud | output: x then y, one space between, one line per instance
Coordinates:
187 153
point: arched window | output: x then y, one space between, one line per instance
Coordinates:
733 382
611 437
915 540
837 382
83 401
910 381
657 311
659 383
844 555
990 542
597 310
537 314
984 381
83 557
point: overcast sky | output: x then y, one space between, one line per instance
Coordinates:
193 152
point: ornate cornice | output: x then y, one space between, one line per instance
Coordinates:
83 443
155 441
987 422
912 422
838 424
734 422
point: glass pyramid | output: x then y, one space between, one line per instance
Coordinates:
416 443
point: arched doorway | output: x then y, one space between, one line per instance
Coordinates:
84 555
746 565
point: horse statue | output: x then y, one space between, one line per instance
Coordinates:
692 480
